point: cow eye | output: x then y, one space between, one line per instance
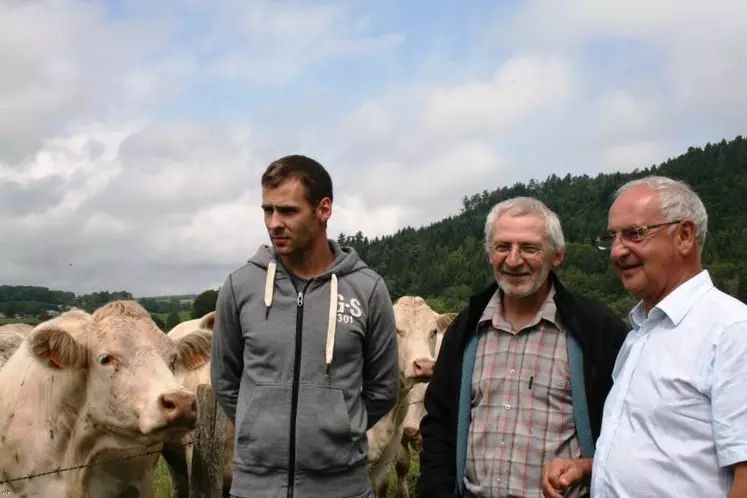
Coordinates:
107 359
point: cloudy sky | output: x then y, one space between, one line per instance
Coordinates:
133 133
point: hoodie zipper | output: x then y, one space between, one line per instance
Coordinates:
294 393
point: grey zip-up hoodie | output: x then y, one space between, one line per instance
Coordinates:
303 374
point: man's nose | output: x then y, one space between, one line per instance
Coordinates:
274 221
618 249
514 257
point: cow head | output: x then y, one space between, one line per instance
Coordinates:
416 397
417 336
196 372
127 365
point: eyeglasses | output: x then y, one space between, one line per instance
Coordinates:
628 235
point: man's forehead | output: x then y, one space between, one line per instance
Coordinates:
523 227
638 206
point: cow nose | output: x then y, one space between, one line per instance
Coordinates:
411 433
423 368
178 407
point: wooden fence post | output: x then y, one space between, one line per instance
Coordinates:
206 479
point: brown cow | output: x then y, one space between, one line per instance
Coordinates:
87 391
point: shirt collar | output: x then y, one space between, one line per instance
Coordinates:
548 310
678 303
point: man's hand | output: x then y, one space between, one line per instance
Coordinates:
559 474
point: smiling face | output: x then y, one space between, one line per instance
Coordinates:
651 267
521 254
292 223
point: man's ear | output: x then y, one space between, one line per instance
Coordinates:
685 237
324 209
558 258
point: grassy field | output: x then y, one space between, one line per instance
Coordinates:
163 480
31 321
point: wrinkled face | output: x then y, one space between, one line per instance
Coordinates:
645 267
416 339
292 223
131 388
521 254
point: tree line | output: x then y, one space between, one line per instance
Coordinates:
446 262
33 304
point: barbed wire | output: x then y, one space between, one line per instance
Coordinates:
101 462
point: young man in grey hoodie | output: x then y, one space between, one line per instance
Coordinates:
304 357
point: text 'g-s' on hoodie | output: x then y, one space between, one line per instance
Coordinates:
303 373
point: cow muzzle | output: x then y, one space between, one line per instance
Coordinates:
411 433
422 369
178 407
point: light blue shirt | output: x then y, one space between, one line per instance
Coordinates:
676 416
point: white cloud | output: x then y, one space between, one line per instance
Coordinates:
123 164
522 87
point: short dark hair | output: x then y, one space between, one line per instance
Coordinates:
312 175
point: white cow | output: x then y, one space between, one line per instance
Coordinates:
178 457
417 331
11 337
416 405
87 391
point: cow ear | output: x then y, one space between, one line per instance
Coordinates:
194 349
208 321
444 320
53 345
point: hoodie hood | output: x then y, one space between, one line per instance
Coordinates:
346 261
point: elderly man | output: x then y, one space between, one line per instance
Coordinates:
522 373
675 422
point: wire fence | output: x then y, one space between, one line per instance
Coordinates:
192 442
94 464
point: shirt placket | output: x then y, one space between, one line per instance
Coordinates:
606 441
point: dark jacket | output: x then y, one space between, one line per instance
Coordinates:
599 333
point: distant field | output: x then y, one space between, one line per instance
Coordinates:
184 315
31 321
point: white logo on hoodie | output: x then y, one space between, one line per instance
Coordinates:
346 310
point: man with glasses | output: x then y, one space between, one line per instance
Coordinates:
675 422
522 373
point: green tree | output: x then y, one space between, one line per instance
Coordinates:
204 303
160 323
172 320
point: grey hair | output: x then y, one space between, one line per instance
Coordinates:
677 201
523 206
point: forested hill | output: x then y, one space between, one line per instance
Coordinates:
446 262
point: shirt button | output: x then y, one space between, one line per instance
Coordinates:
512 371
503 444
507 407
498 480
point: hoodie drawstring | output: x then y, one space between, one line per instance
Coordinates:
331 320
269 283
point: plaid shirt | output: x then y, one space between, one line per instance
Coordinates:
522 414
